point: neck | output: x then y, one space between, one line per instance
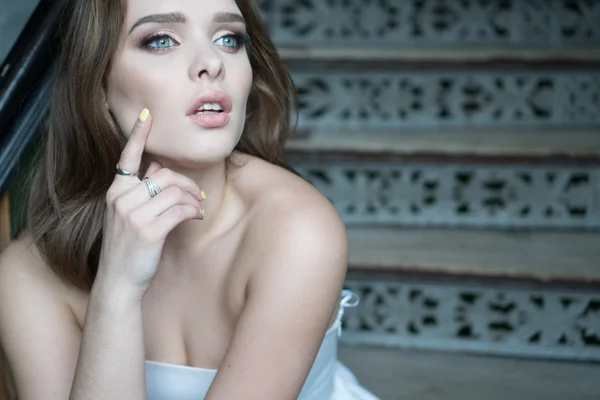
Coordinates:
190 235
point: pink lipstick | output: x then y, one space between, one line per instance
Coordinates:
211 109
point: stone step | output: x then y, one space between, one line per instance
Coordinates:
384 99
508 317
449 30
490 143
467 193
545 256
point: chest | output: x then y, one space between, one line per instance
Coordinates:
191 308
191 320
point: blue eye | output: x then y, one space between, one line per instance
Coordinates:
159 42
232 40
227 41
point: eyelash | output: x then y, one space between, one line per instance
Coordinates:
240 39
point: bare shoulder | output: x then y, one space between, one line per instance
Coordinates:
26 280
294 254
287 211
22 263
38 332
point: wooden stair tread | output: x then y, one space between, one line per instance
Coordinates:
459 54
434 375
537 143
541 255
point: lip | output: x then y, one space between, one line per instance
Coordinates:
212 96
216 120
210 120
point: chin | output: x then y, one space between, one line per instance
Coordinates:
196 154
193 145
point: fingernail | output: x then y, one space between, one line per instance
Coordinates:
203 194
202 213
144 115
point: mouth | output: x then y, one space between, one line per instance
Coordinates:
211 109
211 102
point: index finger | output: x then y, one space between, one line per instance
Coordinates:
131 157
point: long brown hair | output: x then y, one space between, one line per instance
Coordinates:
83 145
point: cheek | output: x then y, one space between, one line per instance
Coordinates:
131 89
240 74
247 77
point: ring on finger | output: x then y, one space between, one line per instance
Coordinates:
153 190
125 173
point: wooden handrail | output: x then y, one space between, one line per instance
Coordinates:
7 387
28 61
25 83
4 221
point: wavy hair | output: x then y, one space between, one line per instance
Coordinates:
82 143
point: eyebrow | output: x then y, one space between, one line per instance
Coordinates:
226 17
179 18
170 18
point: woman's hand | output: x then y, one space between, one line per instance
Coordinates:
137 223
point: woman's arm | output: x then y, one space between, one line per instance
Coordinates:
297 276
111 356
38 331
43 341
51 359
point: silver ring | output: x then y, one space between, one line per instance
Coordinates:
125 173
153 190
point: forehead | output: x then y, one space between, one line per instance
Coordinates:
197 11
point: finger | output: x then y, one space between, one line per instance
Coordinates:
173 217
153 168
131 157
139 195
162 202
165 178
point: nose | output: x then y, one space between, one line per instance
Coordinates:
207 64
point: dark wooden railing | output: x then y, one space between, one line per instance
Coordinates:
25 86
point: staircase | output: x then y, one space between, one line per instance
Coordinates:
460 143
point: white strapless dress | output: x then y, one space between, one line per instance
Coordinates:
328 379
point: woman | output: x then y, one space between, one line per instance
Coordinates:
216 276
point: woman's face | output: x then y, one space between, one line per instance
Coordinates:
177 57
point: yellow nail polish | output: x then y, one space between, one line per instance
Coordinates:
203 194
144 115
202 213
